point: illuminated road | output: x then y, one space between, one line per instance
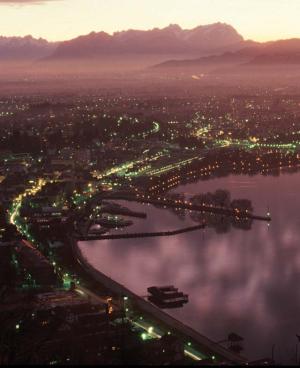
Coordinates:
173 166
249 145
123 168
152 332
14 212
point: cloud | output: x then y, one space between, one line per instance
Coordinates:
24 2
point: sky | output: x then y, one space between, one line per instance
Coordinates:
55 20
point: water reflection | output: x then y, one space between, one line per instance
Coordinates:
246 282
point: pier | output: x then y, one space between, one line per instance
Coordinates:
185 205
142 235
205 208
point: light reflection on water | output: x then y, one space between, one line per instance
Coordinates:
241 281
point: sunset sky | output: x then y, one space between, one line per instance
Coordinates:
259 20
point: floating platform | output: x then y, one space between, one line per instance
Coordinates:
167 297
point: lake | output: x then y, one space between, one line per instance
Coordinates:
242 281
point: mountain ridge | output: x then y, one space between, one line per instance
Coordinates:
169 40
205 44
24 48
273 52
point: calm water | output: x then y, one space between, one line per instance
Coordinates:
242 281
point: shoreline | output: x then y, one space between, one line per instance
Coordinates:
210 347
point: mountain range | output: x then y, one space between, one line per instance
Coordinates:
25 48
172 40
212 44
